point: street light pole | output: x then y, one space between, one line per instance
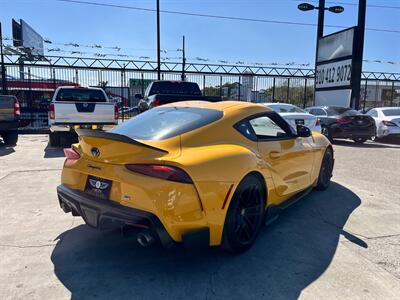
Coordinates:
358 55
3 68
158 42
321 17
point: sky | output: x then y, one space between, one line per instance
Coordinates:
134 31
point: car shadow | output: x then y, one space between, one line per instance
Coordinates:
288 256
53 152
369 144
5 150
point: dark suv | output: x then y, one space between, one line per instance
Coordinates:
9 119
343 122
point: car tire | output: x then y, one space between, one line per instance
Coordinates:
327 133
54 139
10 138
245 216
325 172
360 140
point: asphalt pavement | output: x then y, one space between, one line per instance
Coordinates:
343 243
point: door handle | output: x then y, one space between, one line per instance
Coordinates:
274 154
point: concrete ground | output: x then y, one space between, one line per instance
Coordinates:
343 243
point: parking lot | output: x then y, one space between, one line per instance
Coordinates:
343 243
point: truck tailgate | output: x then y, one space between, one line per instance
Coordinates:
6 108
84 113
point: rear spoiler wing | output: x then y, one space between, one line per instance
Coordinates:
115 137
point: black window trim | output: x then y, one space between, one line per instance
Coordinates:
274 117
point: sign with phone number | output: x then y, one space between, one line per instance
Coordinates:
336 74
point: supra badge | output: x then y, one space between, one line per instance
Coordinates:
95 152
98 184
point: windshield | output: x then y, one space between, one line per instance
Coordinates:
166 122
81 95
389 112
287 108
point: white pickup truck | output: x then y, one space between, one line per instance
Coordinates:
79 107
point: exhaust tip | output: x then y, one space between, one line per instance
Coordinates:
145 238
65 207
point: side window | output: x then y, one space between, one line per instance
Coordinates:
245 129
373 113
265 128
319 112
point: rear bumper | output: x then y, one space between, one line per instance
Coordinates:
70 126
342 131
103 214
9 125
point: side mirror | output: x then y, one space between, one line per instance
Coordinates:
303 131
138 96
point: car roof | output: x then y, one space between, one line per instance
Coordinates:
221 105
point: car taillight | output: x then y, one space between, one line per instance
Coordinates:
161 171
343 120
318 122
51 111
71 156
156 102
388 123
17 109
115 112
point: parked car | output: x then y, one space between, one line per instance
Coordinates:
78 107
344 123
387 121
295 115
165 91
128 112
9 119
195 173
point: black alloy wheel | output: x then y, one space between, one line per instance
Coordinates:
360 140
245 216
325 173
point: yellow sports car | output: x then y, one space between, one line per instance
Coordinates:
195 173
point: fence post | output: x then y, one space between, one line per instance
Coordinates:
239 90
365 94
288 89
204 82
30 104
220 86
142 84
305 94
273 90
122 94
392 98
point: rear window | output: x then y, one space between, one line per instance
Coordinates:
81 95
174 87
391 112
166 122
335 111
286 109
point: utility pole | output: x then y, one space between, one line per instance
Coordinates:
183 77
158 42
321 17
358 54
3 68
320 34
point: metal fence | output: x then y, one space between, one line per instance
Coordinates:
34 82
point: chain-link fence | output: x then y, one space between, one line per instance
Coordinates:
35 82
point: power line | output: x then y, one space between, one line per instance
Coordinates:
217 16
